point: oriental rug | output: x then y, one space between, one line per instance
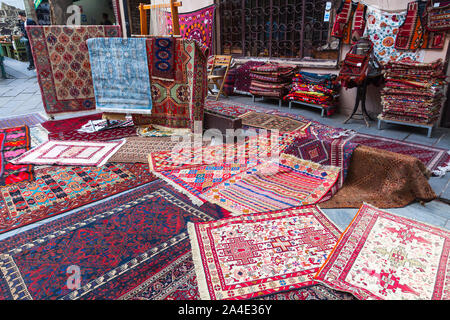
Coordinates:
290 182
70 153
69 124
120 75
29 120
196 25
271 122
113 247
432 157
178 281
16 142
137 149
385 179
104 135
260 254
59 189
382 256
62 64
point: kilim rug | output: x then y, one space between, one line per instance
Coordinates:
101 252
260 254
178 281
431 157
384 256
29 120
70 124
59 189
272 186
271 122
136 149
16 142
70 153
385 179
62 64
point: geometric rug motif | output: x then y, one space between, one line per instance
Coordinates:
260 254
17 141
431 157
271 122
30 120
291 182
62 64
382 256
101 252
56 190
70 153
178 281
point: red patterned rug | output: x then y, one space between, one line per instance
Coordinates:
59 189
16 142
101 252
382 256
67 129
432 157
260 254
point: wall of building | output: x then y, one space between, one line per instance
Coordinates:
93 11
9 19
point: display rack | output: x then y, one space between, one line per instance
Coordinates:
429 127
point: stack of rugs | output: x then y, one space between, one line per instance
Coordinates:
318 89
271 80
414 91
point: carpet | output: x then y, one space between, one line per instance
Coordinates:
120 75
56 190
432 157
196 25
62 63
386 257
70 153
384 179
29 120
110 248
290 182
178 281
69 124
16 142
163 58
271 122
260 254
136 149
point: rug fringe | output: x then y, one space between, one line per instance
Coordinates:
441 171
198 265
195 200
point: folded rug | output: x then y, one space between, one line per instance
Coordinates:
70 153
260 254
382 256
385 179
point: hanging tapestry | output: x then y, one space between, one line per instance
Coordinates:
196 25
350 22
62 63
438 15
382 256
16 141
163 58
255 255
413 33
117 245
70 153
272 186
382 28
56 190
120 75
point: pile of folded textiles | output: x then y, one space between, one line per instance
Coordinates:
414 91
313 88
271 80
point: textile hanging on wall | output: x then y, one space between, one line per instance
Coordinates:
381 29
197 25
438 13
120 75
413 34
350 22
62 62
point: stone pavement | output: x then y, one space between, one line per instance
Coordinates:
21 95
